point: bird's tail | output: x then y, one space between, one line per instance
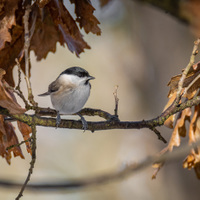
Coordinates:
44 94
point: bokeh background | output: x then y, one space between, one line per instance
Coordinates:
139 50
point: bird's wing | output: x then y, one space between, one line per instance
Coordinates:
53 87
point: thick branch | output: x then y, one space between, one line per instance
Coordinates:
111 123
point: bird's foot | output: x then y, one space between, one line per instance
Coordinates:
84 122
58 120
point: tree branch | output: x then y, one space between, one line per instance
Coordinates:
110 123
112 176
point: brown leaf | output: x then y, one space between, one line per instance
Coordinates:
7 139
10 52
179 129
67 28
194 129
26 131
45 35
193 73
7 15
84 12
7 99
2 129
193 161
169 122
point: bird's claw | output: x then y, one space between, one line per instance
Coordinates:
58 120
84 122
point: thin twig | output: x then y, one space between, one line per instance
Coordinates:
32 163
17 145
18 89
19 74
26 53
186 70
111 176
160 137
116 101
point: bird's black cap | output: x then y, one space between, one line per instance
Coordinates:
78 71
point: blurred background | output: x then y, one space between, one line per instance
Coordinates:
139 50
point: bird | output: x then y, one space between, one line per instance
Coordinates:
69 92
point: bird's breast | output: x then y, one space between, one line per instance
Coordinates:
70 101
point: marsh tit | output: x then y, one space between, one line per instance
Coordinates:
69 92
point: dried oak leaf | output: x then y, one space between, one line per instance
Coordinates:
84 12
7 16
55 24
7 99
11 51
191 82
179 129
11 36
7 139
45 35
169 122
193 159
25 131
194 129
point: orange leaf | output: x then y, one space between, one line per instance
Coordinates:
179 129
194 129
169 122
193 73
193 161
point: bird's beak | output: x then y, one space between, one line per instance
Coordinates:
90 78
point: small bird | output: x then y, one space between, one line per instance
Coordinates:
69 92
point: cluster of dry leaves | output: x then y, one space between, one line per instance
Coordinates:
50 22
8 136
177 122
